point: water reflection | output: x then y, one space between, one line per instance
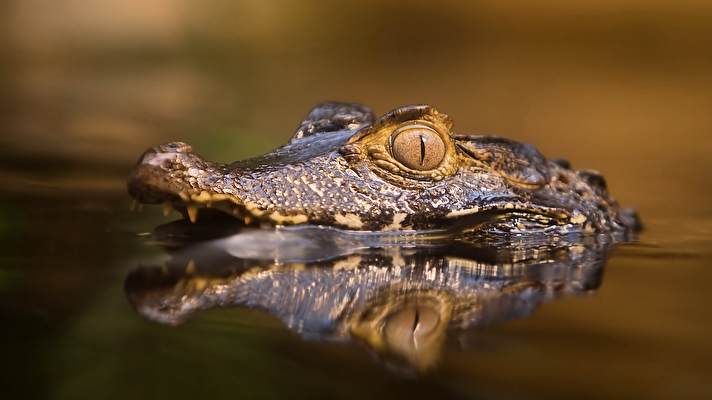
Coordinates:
400 297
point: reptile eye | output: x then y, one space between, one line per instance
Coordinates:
418 147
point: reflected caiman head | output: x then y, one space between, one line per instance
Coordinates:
406 170
401 302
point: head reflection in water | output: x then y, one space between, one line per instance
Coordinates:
399 299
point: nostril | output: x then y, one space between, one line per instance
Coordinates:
151 157
157 156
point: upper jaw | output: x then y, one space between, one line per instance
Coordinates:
514 214
170 174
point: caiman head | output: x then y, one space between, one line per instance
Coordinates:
406 170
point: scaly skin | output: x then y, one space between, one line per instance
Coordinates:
339 170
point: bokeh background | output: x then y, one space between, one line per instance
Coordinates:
624 87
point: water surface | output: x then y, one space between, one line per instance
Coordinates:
641 330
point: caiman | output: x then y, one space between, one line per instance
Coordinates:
404 171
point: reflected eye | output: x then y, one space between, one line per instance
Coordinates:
411 325
418 147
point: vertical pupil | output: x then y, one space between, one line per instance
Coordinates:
416 320
422 149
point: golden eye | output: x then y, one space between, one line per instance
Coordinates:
418 147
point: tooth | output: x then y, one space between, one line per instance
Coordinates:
167 209
192 213
134 205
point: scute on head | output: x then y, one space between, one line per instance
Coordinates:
408 143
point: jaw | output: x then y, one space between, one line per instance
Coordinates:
174 176
513 216
150 186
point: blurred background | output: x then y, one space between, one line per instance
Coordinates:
623 87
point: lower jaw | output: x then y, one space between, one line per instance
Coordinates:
246 214
206 211
199 211
195 211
